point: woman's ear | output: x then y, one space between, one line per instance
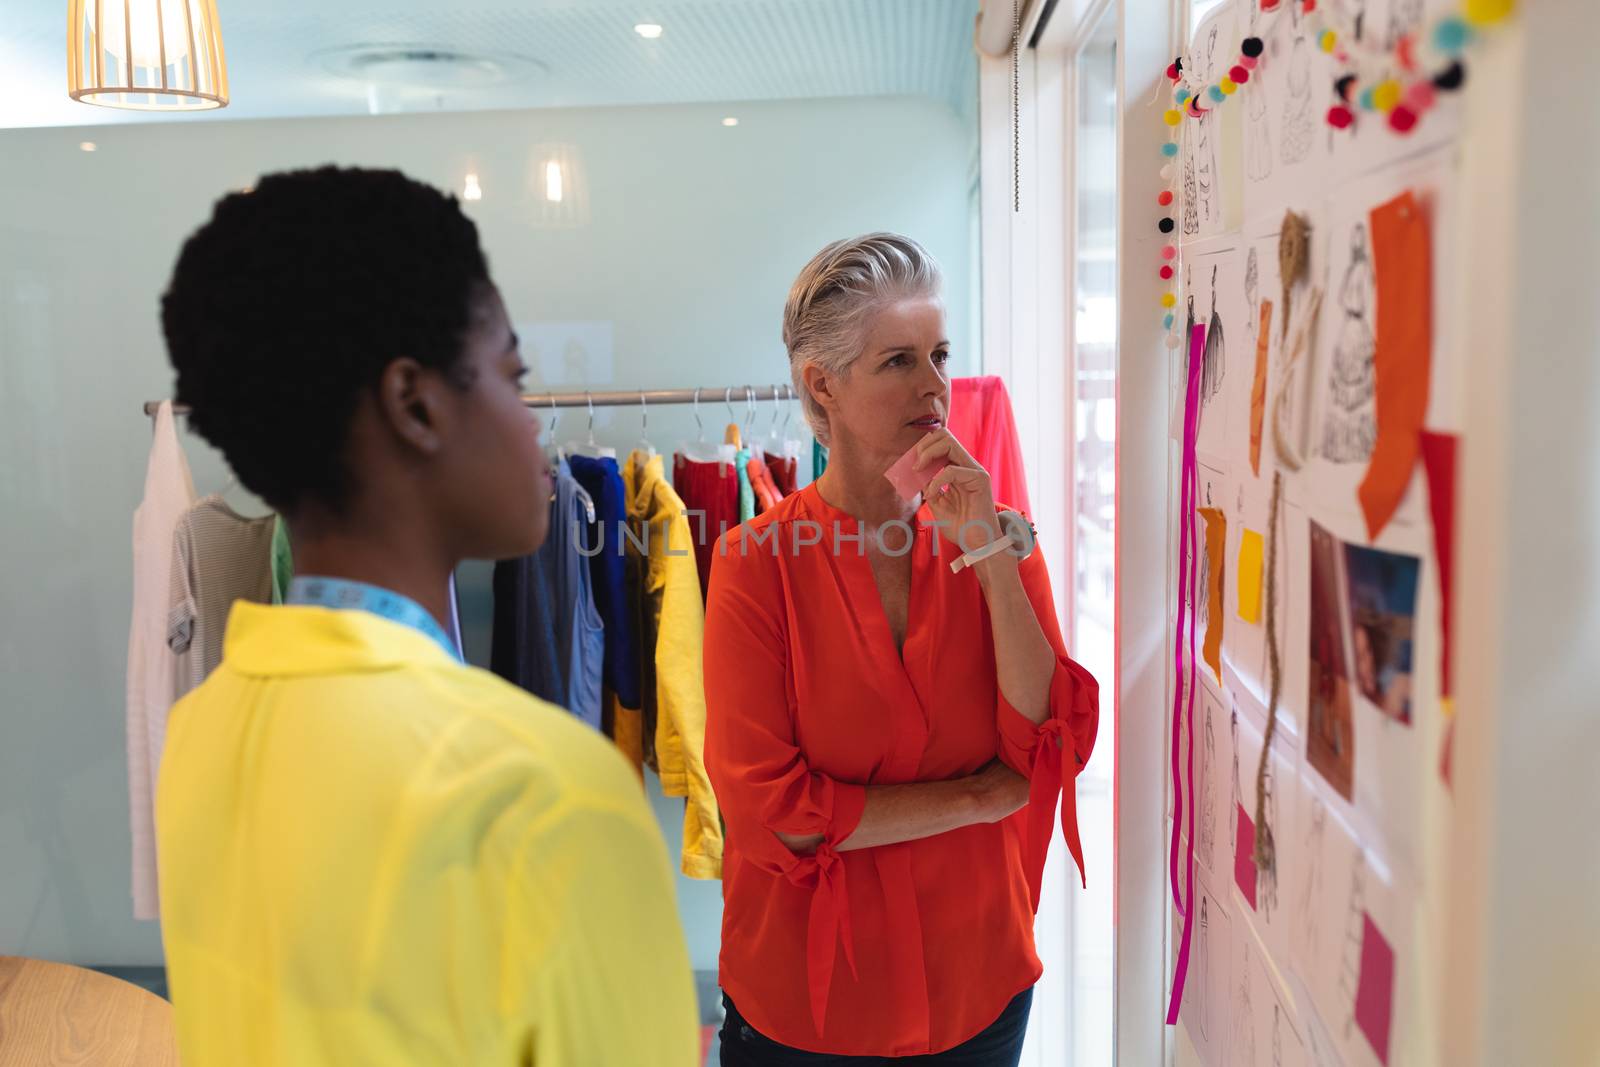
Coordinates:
820 384
408 400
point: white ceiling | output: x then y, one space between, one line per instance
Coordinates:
582 53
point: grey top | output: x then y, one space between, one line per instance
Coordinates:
218 556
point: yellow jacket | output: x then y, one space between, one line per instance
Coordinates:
671 631
371 854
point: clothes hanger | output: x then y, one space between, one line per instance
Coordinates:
791 444
701 450
592 448
644 428
730 436
555 417
751 412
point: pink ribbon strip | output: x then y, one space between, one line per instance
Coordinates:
1188 582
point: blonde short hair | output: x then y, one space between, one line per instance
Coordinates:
825 316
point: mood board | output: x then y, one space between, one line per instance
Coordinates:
1310 253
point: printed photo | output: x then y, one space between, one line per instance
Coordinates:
1331 745
1383 604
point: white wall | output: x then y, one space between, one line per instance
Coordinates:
695 232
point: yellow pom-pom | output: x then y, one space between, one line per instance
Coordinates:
1487 12
1168 300
1386 95
1227 85
1329 40
1172 118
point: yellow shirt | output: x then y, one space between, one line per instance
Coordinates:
672 631
371 854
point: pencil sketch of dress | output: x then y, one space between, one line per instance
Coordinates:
1311 887
1405 16
1203 955
1191 200
1258 139
1298 124
1242 1044
1212 367
1350 428
1208 813
1206 149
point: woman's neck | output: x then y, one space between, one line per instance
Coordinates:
854 483
401 564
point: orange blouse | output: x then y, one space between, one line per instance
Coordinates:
903 949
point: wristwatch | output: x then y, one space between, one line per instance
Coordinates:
1017 534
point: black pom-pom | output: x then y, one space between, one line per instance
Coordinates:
1451 78
1342 87
1179 64
1251 47
1165 225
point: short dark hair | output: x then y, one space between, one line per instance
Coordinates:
292 299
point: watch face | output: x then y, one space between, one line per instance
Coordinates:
1022 532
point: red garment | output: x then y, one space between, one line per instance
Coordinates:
980 418
904 949
710 492
767 495
785 472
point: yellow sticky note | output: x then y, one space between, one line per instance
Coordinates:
1249 572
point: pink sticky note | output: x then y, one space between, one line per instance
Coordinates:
1244 864
907 482
1375 989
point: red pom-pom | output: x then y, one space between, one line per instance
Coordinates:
1172 71
1239 75
1166 272
1165 198
1339 116
1309 6
1402 119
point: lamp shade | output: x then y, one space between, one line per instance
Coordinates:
146 55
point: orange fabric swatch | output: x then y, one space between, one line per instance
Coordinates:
1216 542
1258 391
1402 261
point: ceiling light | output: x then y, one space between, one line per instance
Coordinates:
470 189
146 55
730 121
87 146
648 30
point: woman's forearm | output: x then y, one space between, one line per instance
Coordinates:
1024 661
910 812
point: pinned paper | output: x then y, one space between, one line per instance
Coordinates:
1439 461
908 482
1403 351
1375 990
1216 542
1244 847
1250 544
1258 388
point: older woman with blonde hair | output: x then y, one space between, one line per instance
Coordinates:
891 712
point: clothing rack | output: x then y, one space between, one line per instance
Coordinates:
617 398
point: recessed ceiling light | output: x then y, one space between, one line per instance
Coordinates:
87 146
730 121
648 30
471 190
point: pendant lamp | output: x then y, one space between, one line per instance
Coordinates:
146 55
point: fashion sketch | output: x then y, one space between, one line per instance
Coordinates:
1208 811
1298 122
1203 956
1242 1044
1191 196
1206 167
1311 889
1350 429
1354 933
1405 16
1212 367
1258 138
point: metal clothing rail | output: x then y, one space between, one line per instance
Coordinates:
618 398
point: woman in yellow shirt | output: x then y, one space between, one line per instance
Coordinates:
369 852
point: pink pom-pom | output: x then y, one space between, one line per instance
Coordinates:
1169 252
1248 62
1419 97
